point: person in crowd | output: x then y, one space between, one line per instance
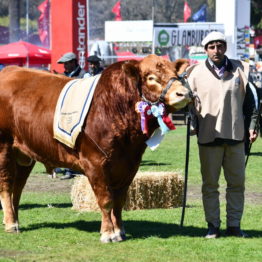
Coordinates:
256 93
94 66
71 66
72 69
223 100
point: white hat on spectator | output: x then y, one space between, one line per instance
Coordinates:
213 36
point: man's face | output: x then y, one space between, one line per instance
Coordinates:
216 51
94 65
70 66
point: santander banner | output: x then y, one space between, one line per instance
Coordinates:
69 31
80 31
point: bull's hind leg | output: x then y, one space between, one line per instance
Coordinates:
7 176
22 173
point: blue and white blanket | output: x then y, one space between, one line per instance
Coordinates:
72 107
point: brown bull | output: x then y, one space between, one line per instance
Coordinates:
108 150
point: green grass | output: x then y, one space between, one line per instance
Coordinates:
52 231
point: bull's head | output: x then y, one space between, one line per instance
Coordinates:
161 81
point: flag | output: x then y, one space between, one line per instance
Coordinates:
201 14
43 23
117 11
187 11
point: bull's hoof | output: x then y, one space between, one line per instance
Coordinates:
12 229
105 238
116 237
119 237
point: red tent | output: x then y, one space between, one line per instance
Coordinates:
23 53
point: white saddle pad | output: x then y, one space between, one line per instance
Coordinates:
72 107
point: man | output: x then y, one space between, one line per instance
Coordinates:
94 66
256 100
71 66
221 85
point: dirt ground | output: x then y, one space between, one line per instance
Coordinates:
44 183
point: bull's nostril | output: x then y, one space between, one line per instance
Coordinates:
179 94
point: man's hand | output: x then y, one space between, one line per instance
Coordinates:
252 135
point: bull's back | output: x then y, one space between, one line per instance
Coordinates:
27 101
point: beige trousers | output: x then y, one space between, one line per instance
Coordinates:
232 159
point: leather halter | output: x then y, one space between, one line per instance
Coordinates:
181 78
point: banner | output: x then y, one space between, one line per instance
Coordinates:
201 14
187 11
79 30
43 23
243 42
117 11
183 34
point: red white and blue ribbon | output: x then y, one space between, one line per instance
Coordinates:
148 111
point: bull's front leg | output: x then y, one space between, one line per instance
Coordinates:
105 202
107 227
116 214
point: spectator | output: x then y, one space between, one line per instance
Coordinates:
220 84
94 67
255 102
71 66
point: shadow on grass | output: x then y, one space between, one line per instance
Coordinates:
255 154
138 229
152 163
89 226
57 205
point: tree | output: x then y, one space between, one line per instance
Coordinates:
256 14
14 15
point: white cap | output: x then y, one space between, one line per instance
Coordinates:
213 36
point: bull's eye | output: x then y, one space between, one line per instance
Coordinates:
151 78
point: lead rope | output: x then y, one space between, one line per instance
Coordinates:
186 170
189 117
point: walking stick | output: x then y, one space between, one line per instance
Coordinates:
186 169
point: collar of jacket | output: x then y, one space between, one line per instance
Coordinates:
229 67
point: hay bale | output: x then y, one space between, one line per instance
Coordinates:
82 195
148 190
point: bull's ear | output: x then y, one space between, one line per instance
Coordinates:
181 65
131 69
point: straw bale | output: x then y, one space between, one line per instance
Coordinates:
148 190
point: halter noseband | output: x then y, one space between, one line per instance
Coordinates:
181 79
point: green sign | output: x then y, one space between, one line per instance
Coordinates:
163 38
